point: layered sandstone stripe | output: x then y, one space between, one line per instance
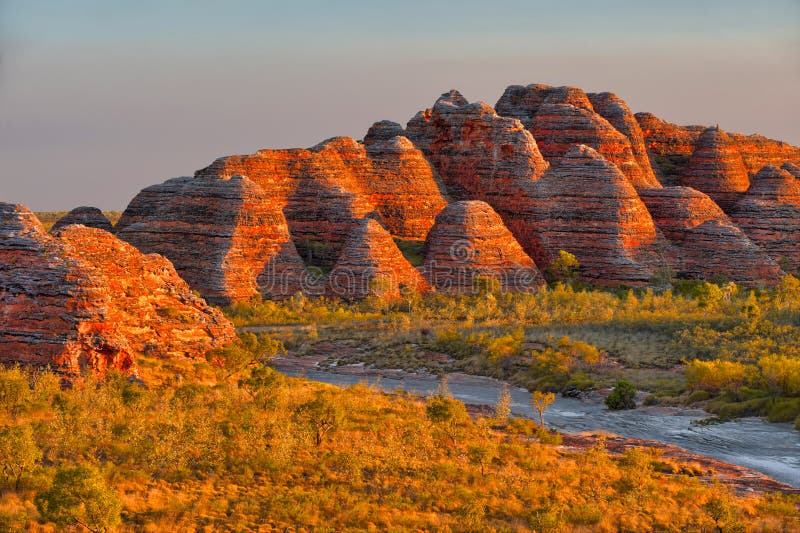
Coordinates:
469 241
371 264
91 217
705 244
769 213
83 299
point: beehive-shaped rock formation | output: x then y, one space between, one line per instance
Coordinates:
705 244
769 213
562 117
716 168
371 264
91 217
469 241
479 154
586 206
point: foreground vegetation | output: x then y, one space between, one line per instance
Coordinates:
733 351
253 450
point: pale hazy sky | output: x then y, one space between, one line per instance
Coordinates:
99 99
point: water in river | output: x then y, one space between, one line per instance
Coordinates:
773 449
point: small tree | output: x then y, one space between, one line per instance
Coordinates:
623 396
322 415
448 414
480 454
564 268
540 401
503 408
18 452
80 496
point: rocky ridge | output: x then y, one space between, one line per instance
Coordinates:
83 299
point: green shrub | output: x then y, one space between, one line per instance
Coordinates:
784 410
697 397
622 397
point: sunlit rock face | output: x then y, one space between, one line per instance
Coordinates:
560 118
226 236
769 213
469 241
91 217
704 243
371 264
404 187
326 190
82 299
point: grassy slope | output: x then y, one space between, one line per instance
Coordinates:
235 456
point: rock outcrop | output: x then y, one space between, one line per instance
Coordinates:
469 241
405 188
226 237
705 244
757 151
769 213
371 265
91 217
614 109
84 299
562 117
326 190
716 168
671 146
792 169
478 154
586 206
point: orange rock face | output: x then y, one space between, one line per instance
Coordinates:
562 117
226 237
326 190
671 146
479 154
769 213
469 239
586 206
716 168
404 188
792 169
84 299
758 151
91 217
372 265
705 244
